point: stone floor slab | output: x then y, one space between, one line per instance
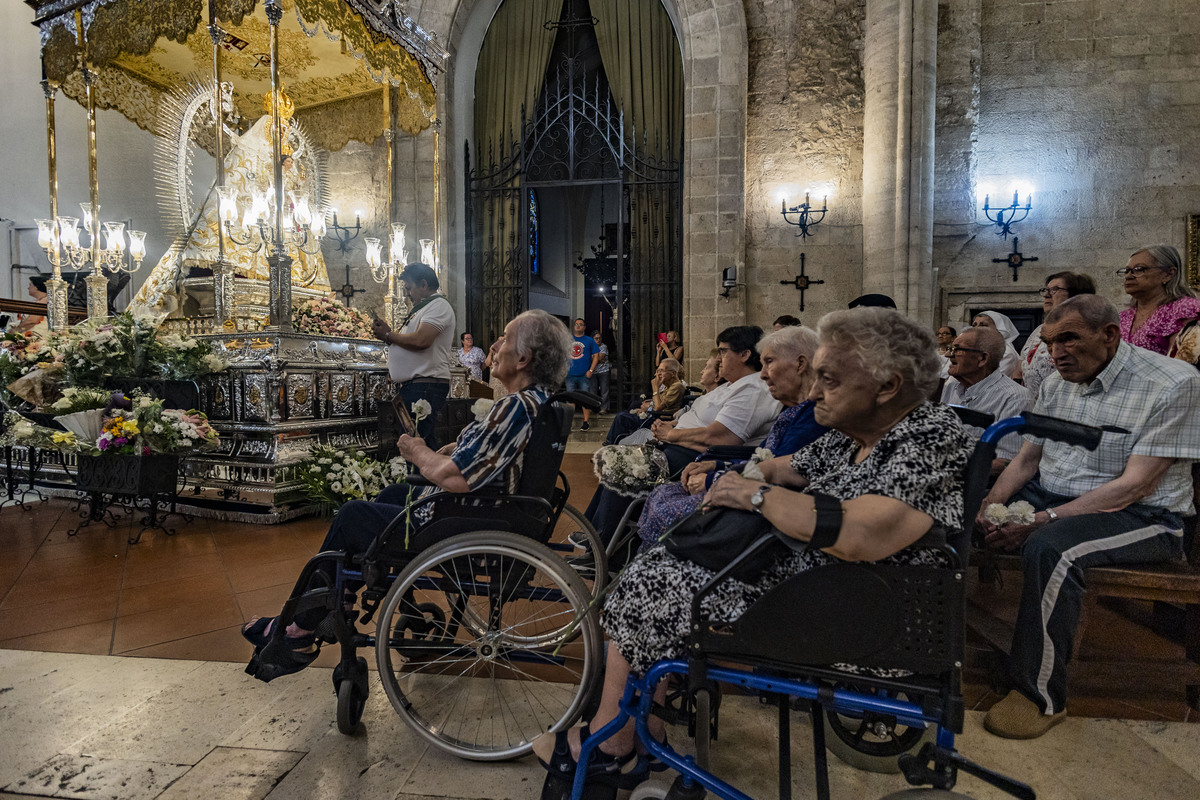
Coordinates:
234 773
93 778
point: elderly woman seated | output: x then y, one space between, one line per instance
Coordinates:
666 396
884 485
532 362
787 368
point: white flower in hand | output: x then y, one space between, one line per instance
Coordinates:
421 409
1021 513
481 407
996 513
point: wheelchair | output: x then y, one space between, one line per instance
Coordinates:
484 636
884 619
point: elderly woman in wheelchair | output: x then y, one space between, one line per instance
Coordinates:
884 485
531 362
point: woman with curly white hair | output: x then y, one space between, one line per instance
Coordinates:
885 484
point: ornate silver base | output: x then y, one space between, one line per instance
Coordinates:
283 393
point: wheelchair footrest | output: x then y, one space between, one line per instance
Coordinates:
938 767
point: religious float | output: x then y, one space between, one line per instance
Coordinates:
245 270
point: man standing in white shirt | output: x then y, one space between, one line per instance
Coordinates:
976 382
418 359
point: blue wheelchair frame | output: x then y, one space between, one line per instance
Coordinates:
806 679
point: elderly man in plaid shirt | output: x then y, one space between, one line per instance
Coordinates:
1121 503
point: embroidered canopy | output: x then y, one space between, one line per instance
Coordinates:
334 56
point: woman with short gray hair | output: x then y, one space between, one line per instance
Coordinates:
1161 302
885 342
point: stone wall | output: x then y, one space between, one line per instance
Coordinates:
1097 104
804 129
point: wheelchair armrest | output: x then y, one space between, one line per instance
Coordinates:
417 479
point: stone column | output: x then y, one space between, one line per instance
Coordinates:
900 62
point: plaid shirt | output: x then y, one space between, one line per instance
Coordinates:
1154 397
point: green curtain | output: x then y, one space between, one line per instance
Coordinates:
642 61
511 71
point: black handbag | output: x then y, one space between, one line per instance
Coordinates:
714 537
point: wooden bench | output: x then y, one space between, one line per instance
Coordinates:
1173 587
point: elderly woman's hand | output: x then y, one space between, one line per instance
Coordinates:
661 428
732 491
409 446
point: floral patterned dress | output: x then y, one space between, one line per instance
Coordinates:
919 462
1166 321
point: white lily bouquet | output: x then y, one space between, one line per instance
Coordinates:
630 470
336 475
1019 513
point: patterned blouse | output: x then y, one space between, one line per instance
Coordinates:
492 450
1166 321
473 360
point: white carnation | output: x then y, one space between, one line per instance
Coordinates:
1021 513
996 513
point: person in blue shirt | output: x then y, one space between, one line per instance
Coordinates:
584 355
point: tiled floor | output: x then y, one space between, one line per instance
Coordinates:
76 725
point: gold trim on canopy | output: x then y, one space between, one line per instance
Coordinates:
336 57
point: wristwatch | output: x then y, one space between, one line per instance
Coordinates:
1052 514
756 500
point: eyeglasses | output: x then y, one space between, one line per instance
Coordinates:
1050 290
721 351
952 349
1138 271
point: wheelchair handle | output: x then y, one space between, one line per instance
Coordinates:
1060 430
585 399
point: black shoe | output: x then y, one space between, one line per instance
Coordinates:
585 426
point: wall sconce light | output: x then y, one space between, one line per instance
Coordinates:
804 216
728 280
1009 215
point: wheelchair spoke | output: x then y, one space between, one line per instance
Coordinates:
491 644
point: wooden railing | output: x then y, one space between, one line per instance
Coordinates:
74 313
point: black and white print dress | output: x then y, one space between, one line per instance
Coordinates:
919 462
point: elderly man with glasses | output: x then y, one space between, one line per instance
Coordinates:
977 383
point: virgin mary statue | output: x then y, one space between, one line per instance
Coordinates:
249 171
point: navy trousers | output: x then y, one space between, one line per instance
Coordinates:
1053 559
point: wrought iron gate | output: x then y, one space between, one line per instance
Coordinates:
575 138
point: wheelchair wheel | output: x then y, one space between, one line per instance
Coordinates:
873 742
350 705
518 651
592 566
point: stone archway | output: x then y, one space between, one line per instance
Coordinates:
712 34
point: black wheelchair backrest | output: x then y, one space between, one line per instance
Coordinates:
544 453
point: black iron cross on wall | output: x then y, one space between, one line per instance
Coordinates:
348 291
801 282
1015 259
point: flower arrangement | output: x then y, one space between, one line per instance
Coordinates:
630 470
1020 513
80 398
132 347
119 436
21 354
20 431
337 476
141 426
324 316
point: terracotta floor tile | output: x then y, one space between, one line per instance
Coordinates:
176 592
264 602
225 644
174 622
56 613
249 576
29 592
166 567
95 638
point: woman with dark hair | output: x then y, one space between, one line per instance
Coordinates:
33 323
1035 356
738 412
1161 302
471 357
